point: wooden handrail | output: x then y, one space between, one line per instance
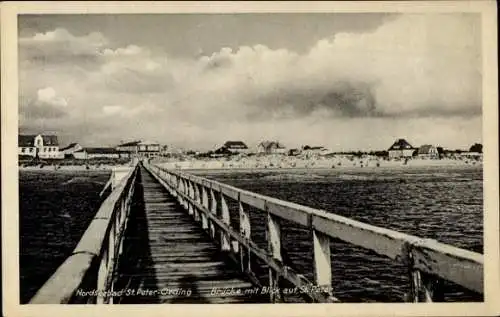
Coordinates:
86 275
427 260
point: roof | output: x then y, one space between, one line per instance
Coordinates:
401 144
308 147
222 150
130 143
69 146
235 145
99 150
425 149
148 143
26 140
29 140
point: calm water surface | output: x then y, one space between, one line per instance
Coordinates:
55 209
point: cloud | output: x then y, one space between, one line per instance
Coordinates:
60 46
420 68
48 96
111 110
417 65
47 105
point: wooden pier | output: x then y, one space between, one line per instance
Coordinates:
182 264
165 236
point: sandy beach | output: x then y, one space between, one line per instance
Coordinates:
287 162
275 162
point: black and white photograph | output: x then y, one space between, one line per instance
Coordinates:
253 157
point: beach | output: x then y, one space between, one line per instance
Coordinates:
290 162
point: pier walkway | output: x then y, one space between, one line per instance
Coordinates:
166 236
181 263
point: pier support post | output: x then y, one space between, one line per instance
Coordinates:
274 247
424 287
245 231
191 210
213 209
204 203
322 260
181 191
101 277
225 241
185 192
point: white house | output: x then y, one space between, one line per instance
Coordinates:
428 151
148 149
140 148
401 148
271 147
43 146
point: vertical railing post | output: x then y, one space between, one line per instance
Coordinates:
190 195
245 231
111 257
274 248
424 287
185 190
213 210
204 203
101 277
225 241
322 260
432 288
196 198
180 186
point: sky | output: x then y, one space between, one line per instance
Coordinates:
347 81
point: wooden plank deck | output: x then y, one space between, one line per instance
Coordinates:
167 253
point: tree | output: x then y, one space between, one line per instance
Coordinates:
477 148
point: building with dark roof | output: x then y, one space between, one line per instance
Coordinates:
141 148
428 151
401 148
42 146
236 146
130 147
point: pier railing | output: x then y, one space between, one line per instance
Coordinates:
428 261
86 276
